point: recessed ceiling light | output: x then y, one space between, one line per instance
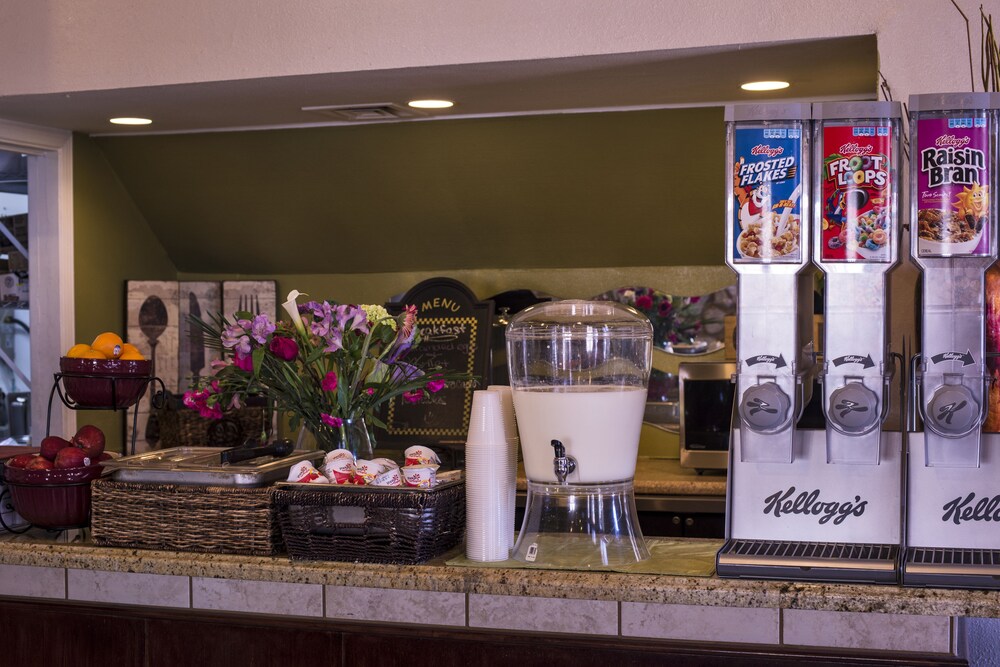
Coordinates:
430 104
130 121
764 85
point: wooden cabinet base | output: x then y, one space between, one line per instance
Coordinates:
82 634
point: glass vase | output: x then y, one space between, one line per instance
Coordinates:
351 435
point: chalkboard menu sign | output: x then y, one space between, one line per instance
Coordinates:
455 334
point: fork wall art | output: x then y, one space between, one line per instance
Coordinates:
157 323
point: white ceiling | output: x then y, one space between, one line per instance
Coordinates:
842 68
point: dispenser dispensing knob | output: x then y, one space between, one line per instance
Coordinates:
764 407
853 409
562 465
953 411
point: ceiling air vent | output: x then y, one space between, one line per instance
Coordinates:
364 113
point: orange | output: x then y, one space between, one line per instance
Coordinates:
93 354
129 348
108 343
78 350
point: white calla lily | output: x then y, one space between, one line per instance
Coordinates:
292 308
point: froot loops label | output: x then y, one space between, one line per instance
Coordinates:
856 191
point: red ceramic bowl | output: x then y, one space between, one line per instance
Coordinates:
105 383
56 499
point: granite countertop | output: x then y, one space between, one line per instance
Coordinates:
656 476
435 576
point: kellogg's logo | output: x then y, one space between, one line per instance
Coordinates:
950 140
764 149
780 503
853 148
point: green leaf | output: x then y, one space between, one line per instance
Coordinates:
258 360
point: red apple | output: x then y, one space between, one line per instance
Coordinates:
105 456
20 461
72 457
90 439
39 463
51 445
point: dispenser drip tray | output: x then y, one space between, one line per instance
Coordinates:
812 561
952 568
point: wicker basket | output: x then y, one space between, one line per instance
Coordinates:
180 426
371 525
182 517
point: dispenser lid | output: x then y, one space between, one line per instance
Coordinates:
577 318
953 101
775 111
844 110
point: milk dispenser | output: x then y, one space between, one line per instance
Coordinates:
953 481
812 503
579 371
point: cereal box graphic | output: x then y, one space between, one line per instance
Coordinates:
856 187
767 185
953 175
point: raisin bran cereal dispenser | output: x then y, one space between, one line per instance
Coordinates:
811 503
953 480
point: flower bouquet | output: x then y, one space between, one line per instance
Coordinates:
329 367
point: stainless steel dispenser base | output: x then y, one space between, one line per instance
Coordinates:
951 568
809 561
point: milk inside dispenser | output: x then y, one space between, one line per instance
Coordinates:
579 372
812 503
953 480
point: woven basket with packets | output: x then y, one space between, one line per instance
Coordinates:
183 517
369 524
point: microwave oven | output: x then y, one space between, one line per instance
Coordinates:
706 410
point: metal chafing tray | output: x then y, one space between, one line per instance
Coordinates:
201 466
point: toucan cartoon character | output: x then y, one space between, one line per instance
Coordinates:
836 207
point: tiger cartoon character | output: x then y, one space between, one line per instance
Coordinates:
972 205
753 203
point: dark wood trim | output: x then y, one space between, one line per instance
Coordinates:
61 632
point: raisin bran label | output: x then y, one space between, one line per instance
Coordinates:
767 183
953 175
856 183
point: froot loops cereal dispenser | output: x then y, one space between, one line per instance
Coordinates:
579 372
812 503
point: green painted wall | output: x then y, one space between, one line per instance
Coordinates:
112 243
561 191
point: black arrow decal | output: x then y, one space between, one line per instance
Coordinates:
778 361
966 358
866 361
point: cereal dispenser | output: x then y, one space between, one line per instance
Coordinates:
952 501
812 503
579 372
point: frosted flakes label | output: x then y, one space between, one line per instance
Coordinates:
767 184
953 175
856 185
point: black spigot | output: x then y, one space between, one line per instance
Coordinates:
562 465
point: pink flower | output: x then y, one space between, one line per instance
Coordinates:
413 396
434 386
644 302
370 391
244 362
330 420
329 382
284 348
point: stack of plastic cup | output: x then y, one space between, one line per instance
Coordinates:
486 454
513 444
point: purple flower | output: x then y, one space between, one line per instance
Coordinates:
244 362
403 372
322 322
234 337
334 341
413 396
352 318
284 348
329 382
434 386
330 420
261 328
404 338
